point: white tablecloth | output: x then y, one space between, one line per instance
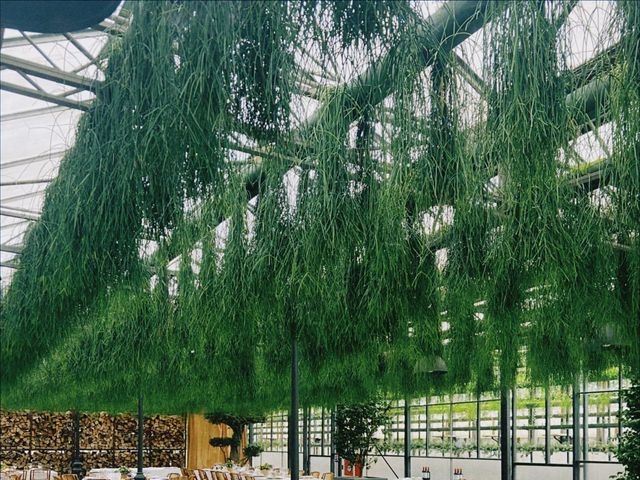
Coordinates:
26 474
150 472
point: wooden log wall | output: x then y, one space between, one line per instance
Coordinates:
105 440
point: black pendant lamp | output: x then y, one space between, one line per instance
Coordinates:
54 16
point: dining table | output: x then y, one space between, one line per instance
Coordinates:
152 473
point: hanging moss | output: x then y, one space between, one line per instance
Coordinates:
388 230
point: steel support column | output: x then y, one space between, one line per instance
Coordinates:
76 463
547 425
306 451
294 461
505 434
334 457
407 438
575 410
139 473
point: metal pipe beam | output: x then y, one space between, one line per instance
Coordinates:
29 160
21 215
10 248
48 73
45 97
48 38
14 183
447 28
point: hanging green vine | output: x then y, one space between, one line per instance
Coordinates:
392 226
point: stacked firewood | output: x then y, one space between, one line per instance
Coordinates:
54 431
96 431
15 430
58 460
125 432
105 440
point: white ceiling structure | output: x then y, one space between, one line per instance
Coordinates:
46 82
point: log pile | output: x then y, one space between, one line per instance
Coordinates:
54 431
58 460
105 440
125 432
96 431
15 428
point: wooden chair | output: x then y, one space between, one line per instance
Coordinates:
173 476
327 476
221 476
68 476
39 474
201 474
234 476
315 474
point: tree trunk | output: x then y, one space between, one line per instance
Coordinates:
235 448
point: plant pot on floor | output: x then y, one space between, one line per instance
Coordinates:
352 469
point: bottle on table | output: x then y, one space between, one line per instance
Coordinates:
426 474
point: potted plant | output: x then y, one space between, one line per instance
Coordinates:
356 427
124 472
250 451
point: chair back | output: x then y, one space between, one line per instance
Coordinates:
221 476
39 474
315 474
201 474
327 476
173 476
234 476
68 476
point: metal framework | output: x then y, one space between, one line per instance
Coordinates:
56 74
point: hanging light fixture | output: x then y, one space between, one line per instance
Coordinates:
54 16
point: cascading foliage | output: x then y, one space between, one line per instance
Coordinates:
393 226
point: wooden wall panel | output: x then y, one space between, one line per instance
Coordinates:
199 453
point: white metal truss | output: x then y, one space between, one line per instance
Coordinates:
46 81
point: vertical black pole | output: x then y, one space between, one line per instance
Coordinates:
585 428
576 429
306 460
619 399
140 474
76 464
505 444
407 438
547 425
338 459
514 431
293 413
332 467
427 435
478 426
